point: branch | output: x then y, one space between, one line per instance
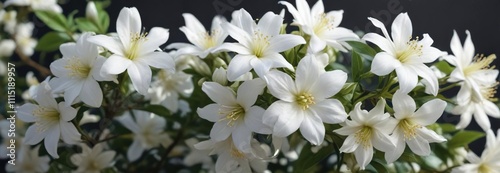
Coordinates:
44 71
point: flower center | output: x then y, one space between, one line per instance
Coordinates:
484 169
210 39
77 68
136 39
363 136
323 23
409 128
45 118
235 152
92 166
412 49
480 63
304 100
232 114
260 43
168 80
487 93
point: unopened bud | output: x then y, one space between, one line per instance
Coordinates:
91 12
219 76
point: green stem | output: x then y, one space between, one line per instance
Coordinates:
448 87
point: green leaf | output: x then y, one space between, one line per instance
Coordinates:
308 159
86 25
463 138
447 127
156 109
51 41
362 48
103 21
54 20
379 165
356 66
444 67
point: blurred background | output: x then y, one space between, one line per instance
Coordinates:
437 18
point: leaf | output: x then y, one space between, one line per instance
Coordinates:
362 48
356 66
447 127
156 109
379 165
308 159
51 41
54 20
86 25
463 138
103 21
444 67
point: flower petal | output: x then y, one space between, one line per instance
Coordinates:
140 75
238 66
280 43
350 144
281 86
401 30
112 44
316 44
219 94
160 60
254 120
407 79
248 92
115 64
429 112
128 23
394 154
430 135
382 142
384 63
155 38
241 138
69 133
427 74
127 121
481 118
51 141
25 112
312 129
285 118
308 72
363 156
68 113
33 136
419 146
270 24
209 112
91 93
330 111
383 43
220 131
403 105
135 150
233 47
238 34
328 84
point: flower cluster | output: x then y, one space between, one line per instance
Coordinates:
271 100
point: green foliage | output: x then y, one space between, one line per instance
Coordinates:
55 21
362 48
463 138
51 41
307 159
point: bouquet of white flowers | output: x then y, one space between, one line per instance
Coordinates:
307 96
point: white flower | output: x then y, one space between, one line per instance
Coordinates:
478 104
33 83
220 76
92 160
149 132
24 40
258 45
8 18
367 130
231 159
411 126
89 118
91 11
403 54
133 50
490 158
168 86
305 102
234 114
197 156
78 71
52 121
7 47
203 41
323 28
28 161
50 5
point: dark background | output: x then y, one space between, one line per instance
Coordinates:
437 18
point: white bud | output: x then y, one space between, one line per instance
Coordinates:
219 76
91 12
7 47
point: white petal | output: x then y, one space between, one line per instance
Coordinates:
481 118
308 72
260 66
135 150
241 138
398 151
238 66
430 135
469 50
156 37
270 24
249 90
112 44
105 158
280 43
328 84
403 105
219 94
407 79
193 23
33 136
51 141
209 112
384 63
363 156
140 75
96 71
429 112
348 130
91 93
380 25
419 146
69 133
304 10
401 29
350 144
68 113
427 74
128 23
316 44
25 112
382 142
160 60
115 64
233 47
491 109
330 111
86 50
466 168
128 122
296 15
281 86
238 34
221 130
383 43
312 129
465 119
254 120
283 117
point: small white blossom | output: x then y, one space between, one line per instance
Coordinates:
28 161
50 5
92 160
91 12
168 87
8 19
24 40
490 158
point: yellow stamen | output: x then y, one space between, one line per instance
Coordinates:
232 113
363 136
324 23
235 152
305 100
209 39
260 44
77 68
409 128
136 39
412 49
480 63
45 117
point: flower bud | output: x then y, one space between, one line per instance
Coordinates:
219 76
91 12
